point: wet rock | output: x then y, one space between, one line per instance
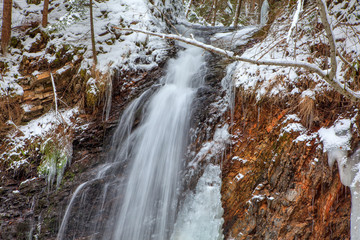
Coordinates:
286 193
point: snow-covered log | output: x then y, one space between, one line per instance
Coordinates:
338 86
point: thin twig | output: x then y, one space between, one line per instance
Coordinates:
167 20
344 60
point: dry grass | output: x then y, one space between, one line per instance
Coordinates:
10 110
307 109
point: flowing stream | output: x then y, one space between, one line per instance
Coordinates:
140 188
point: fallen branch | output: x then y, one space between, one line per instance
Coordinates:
341 88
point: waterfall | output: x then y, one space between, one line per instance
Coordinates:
141 182
148 209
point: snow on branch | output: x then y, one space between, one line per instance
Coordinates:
295 19
341 88
325 19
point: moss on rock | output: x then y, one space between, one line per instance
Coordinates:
54 161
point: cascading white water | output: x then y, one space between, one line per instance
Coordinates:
135 195
201 215
148 209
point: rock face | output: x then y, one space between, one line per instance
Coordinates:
273 187
28 209
31 210
278 188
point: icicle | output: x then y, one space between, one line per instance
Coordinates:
55 96
336 141
108 98
264 14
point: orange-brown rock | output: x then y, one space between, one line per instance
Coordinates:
277 188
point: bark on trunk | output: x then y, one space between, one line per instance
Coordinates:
45 13
92 33
6 26
237 13
330 36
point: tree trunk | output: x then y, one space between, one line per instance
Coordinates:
214 13
6 26
45 13
237 13
260 2
92 33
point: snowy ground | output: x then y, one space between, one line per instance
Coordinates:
306 42
69 24
280 82
264 80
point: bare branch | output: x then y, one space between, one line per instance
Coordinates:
325 19
230 54
344 60
188 8
225 53
343 89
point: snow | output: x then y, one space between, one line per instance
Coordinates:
33 131
293 117
261 79
26 107
236 158
336 140
234 39
337 136
126 51
258 198
45 123
306 137
295 19
294 127
17 164
69 23
238 177
28 180
292 124
308 93
277 81
213 148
